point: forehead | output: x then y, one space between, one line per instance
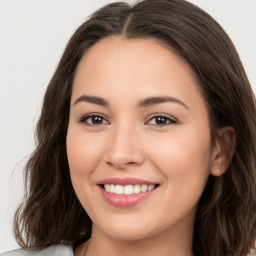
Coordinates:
119 51
131 59
138 68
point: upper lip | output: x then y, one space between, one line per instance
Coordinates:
125 181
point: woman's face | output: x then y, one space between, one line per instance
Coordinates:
138 126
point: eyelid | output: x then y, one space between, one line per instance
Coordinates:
172 120
90 115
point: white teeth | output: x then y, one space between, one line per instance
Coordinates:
107 187
119 190
128 189
112 189
136 189
151 187
144 188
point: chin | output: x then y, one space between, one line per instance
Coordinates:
127 230
131 234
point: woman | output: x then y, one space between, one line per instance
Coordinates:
146 141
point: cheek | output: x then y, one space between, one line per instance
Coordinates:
183 157
83 152
183 160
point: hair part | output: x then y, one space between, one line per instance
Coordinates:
226 217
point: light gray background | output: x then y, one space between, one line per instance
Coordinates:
33 34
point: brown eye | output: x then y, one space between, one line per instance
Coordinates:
93 120
96 120
161 121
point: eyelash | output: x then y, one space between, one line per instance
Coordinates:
170 121
84 119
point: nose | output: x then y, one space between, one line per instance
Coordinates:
124 148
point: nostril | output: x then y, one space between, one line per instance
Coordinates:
130 163
120 164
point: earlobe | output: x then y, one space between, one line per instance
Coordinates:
223 150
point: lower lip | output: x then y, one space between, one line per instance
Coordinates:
125 201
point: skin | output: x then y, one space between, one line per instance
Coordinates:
128 142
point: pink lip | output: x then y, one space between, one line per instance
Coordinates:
124 181
125 201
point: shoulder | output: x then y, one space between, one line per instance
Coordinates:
54 250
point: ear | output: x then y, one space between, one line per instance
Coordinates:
223 150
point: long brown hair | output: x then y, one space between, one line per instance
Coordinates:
226 218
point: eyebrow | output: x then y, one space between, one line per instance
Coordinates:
92 99
143 103
157 100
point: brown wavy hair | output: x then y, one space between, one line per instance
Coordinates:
226 218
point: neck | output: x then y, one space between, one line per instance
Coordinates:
165 244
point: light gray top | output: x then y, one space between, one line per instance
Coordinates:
54 250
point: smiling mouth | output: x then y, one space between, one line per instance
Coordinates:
128 189
126 192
